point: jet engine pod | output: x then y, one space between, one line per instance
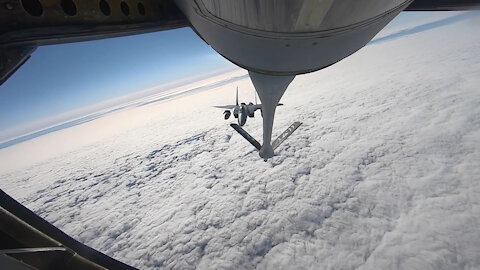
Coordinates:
285 37
227 114
251 113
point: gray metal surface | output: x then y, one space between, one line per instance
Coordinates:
289 131
247 136
52 21
297 16
288 53
270 90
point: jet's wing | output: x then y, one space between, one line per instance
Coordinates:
443 5
259 106
225 107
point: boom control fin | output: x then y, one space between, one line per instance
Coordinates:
246 135
275 143
285 134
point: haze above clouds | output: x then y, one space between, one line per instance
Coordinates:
383 174
113 104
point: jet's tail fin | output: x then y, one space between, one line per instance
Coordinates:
285 134
247 136
237 97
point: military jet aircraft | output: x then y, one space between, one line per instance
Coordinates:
241 111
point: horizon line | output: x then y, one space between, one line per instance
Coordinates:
132 103
31 127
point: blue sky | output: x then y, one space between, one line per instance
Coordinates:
61 78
